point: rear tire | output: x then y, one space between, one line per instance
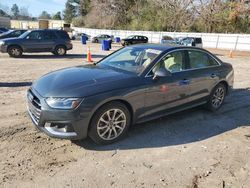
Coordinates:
216 98
15 51
110 123
60 51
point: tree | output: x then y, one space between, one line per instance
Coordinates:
57 16
84 7
24 14
44 15
3 13
161 15
5 9
70 11
15 10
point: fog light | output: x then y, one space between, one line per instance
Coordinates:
60 129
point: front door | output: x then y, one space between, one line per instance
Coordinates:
33 42
167 92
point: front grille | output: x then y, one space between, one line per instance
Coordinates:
34 106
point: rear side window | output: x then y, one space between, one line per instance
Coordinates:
49 35
63 34
200 59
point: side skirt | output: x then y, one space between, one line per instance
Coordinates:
170 111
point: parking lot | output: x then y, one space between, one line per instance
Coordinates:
194 148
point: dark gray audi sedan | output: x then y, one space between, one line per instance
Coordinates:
132 85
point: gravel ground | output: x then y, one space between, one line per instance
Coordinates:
192 149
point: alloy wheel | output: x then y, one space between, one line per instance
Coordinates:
111 124
15 52
218 97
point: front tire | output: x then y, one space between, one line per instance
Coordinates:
217 97
110 123
15 51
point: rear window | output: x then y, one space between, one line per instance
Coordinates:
63 34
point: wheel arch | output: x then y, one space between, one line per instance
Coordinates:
14 45
225 83
122 101
58 45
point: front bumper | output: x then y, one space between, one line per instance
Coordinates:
3 48
65 124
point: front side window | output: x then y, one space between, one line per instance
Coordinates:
35 35
131 59
200 59
172 62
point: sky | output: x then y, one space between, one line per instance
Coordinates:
35 7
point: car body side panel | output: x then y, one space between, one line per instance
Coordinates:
165 93
202 82
30 45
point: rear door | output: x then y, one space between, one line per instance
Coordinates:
49 41
203 73
141 39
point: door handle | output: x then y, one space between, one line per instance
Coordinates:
184 82
213 75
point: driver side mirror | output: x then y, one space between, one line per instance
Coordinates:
161 72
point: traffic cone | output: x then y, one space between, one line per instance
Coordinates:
89 56
231 54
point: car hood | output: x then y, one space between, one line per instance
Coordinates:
81 81
11 40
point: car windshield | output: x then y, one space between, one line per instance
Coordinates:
130 37
24 34
131 59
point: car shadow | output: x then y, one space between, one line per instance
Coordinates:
185 127
67 56
15 84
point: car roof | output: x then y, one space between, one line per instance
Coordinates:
47 30
166 47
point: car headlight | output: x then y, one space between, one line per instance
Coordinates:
1 42
64 103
